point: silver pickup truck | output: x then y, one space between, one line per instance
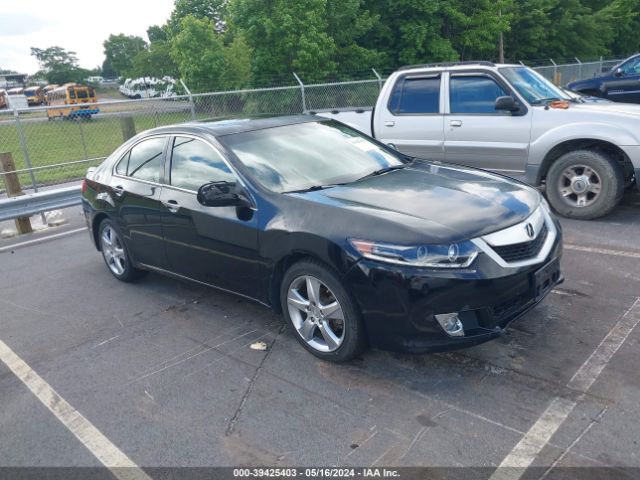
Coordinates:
511 120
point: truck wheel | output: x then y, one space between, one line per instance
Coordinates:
584 184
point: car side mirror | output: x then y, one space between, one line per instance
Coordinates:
507 103
619 72
221 194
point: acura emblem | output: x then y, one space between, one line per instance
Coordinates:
530 231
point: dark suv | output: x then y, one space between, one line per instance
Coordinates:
620 84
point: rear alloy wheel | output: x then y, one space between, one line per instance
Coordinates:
321 312
115 253
584 184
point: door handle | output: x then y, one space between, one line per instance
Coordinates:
389 124
455 123
172 206
118 190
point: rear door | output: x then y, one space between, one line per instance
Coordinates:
214 245
135 189
475 133
412 121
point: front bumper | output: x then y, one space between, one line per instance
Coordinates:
398 303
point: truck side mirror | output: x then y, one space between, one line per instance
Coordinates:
507 103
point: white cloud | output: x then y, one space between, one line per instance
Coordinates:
77 26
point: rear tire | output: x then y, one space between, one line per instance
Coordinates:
324 317
584 184
115 253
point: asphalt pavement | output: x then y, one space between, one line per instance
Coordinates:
164 373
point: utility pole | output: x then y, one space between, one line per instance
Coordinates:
500 41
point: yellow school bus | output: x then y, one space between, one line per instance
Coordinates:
3 98
47 89
68 101
35 95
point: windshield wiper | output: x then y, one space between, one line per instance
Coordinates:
381 171
312 188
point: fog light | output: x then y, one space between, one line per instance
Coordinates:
451 324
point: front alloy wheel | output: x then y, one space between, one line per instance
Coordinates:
322 312
316 314
584 184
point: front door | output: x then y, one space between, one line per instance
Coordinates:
624 85
479 136
214 245
412 121
135 191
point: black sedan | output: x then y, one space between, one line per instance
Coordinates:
355 243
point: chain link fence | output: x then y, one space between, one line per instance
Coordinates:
49 151
563 73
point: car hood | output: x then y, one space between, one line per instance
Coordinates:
436 202
631 109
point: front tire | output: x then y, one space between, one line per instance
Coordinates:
584 184
324 317
115 254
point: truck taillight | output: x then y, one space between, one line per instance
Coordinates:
84 185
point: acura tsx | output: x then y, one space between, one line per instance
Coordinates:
356 244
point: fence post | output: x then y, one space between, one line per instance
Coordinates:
378 76
579 68
304 100
193 105
556 80
25 151
12 182
128 127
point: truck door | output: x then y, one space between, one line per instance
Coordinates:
476 134
412 120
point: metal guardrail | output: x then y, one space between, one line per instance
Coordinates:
34 203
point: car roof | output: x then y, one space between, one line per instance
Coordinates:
221 128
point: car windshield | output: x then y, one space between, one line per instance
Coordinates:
532 86
309 155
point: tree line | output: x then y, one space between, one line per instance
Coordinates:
233 44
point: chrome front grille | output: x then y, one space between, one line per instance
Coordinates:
518 252
526 243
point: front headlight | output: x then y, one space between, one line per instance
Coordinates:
455 255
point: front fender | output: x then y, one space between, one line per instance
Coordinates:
618 135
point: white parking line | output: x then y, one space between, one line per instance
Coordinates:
100 446
41 239
603 251
538 436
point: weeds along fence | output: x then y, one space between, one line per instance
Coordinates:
53 151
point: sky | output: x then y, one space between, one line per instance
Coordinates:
77 26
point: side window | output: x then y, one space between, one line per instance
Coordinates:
415 95
144 161
194 163
632 67
474 94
